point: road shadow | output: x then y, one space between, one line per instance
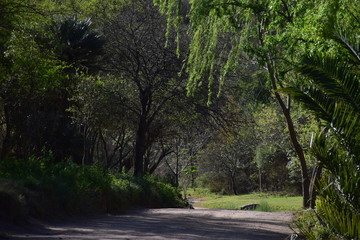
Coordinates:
174 224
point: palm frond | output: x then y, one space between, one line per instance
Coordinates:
338 116
337 212
346 122
352 46
313 99
334 78
78 43
334 96
338 204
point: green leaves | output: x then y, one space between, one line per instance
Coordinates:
314 100
33 69
339 210
333 96
334 77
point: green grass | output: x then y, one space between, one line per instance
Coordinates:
268 202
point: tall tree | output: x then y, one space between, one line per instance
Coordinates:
258 31
80 47
13 14
138 55
332 94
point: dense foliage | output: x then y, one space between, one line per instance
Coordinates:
333 97
105 85
39 188
193 92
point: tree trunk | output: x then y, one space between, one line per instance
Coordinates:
260 183
293 136
233 183
6 144
300 153
106 153
314 183
177 171
139 149
84 146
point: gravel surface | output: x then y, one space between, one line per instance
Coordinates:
159 224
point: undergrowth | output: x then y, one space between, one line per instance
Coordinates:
40 188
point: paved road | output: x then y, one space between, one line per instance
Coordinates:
175 224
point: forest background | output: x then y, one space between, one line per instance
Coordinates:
195 93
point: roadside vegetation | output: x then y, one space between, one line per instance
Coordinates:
41 189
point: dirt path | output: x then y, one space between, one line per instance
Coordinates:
161 224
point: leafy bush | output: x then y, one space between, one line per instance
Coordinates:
49 189
212 182
159 194
57 187
309 226
130 191
265 207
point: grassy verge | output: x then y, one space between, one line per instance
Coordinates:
268 202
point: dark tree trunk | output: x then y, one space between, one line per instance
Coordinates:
233 184
293 136
105 149
260 180
177 170
6 145
140 149
300 153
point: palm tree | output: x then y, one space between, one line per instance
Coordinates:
333 96
81 48
77 44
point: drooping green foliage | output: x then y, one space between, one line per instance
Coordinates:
225 34
214 35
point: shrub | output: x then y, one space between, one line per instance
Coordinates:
309 226
159 194
48 189
144 192
58 187
265 207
